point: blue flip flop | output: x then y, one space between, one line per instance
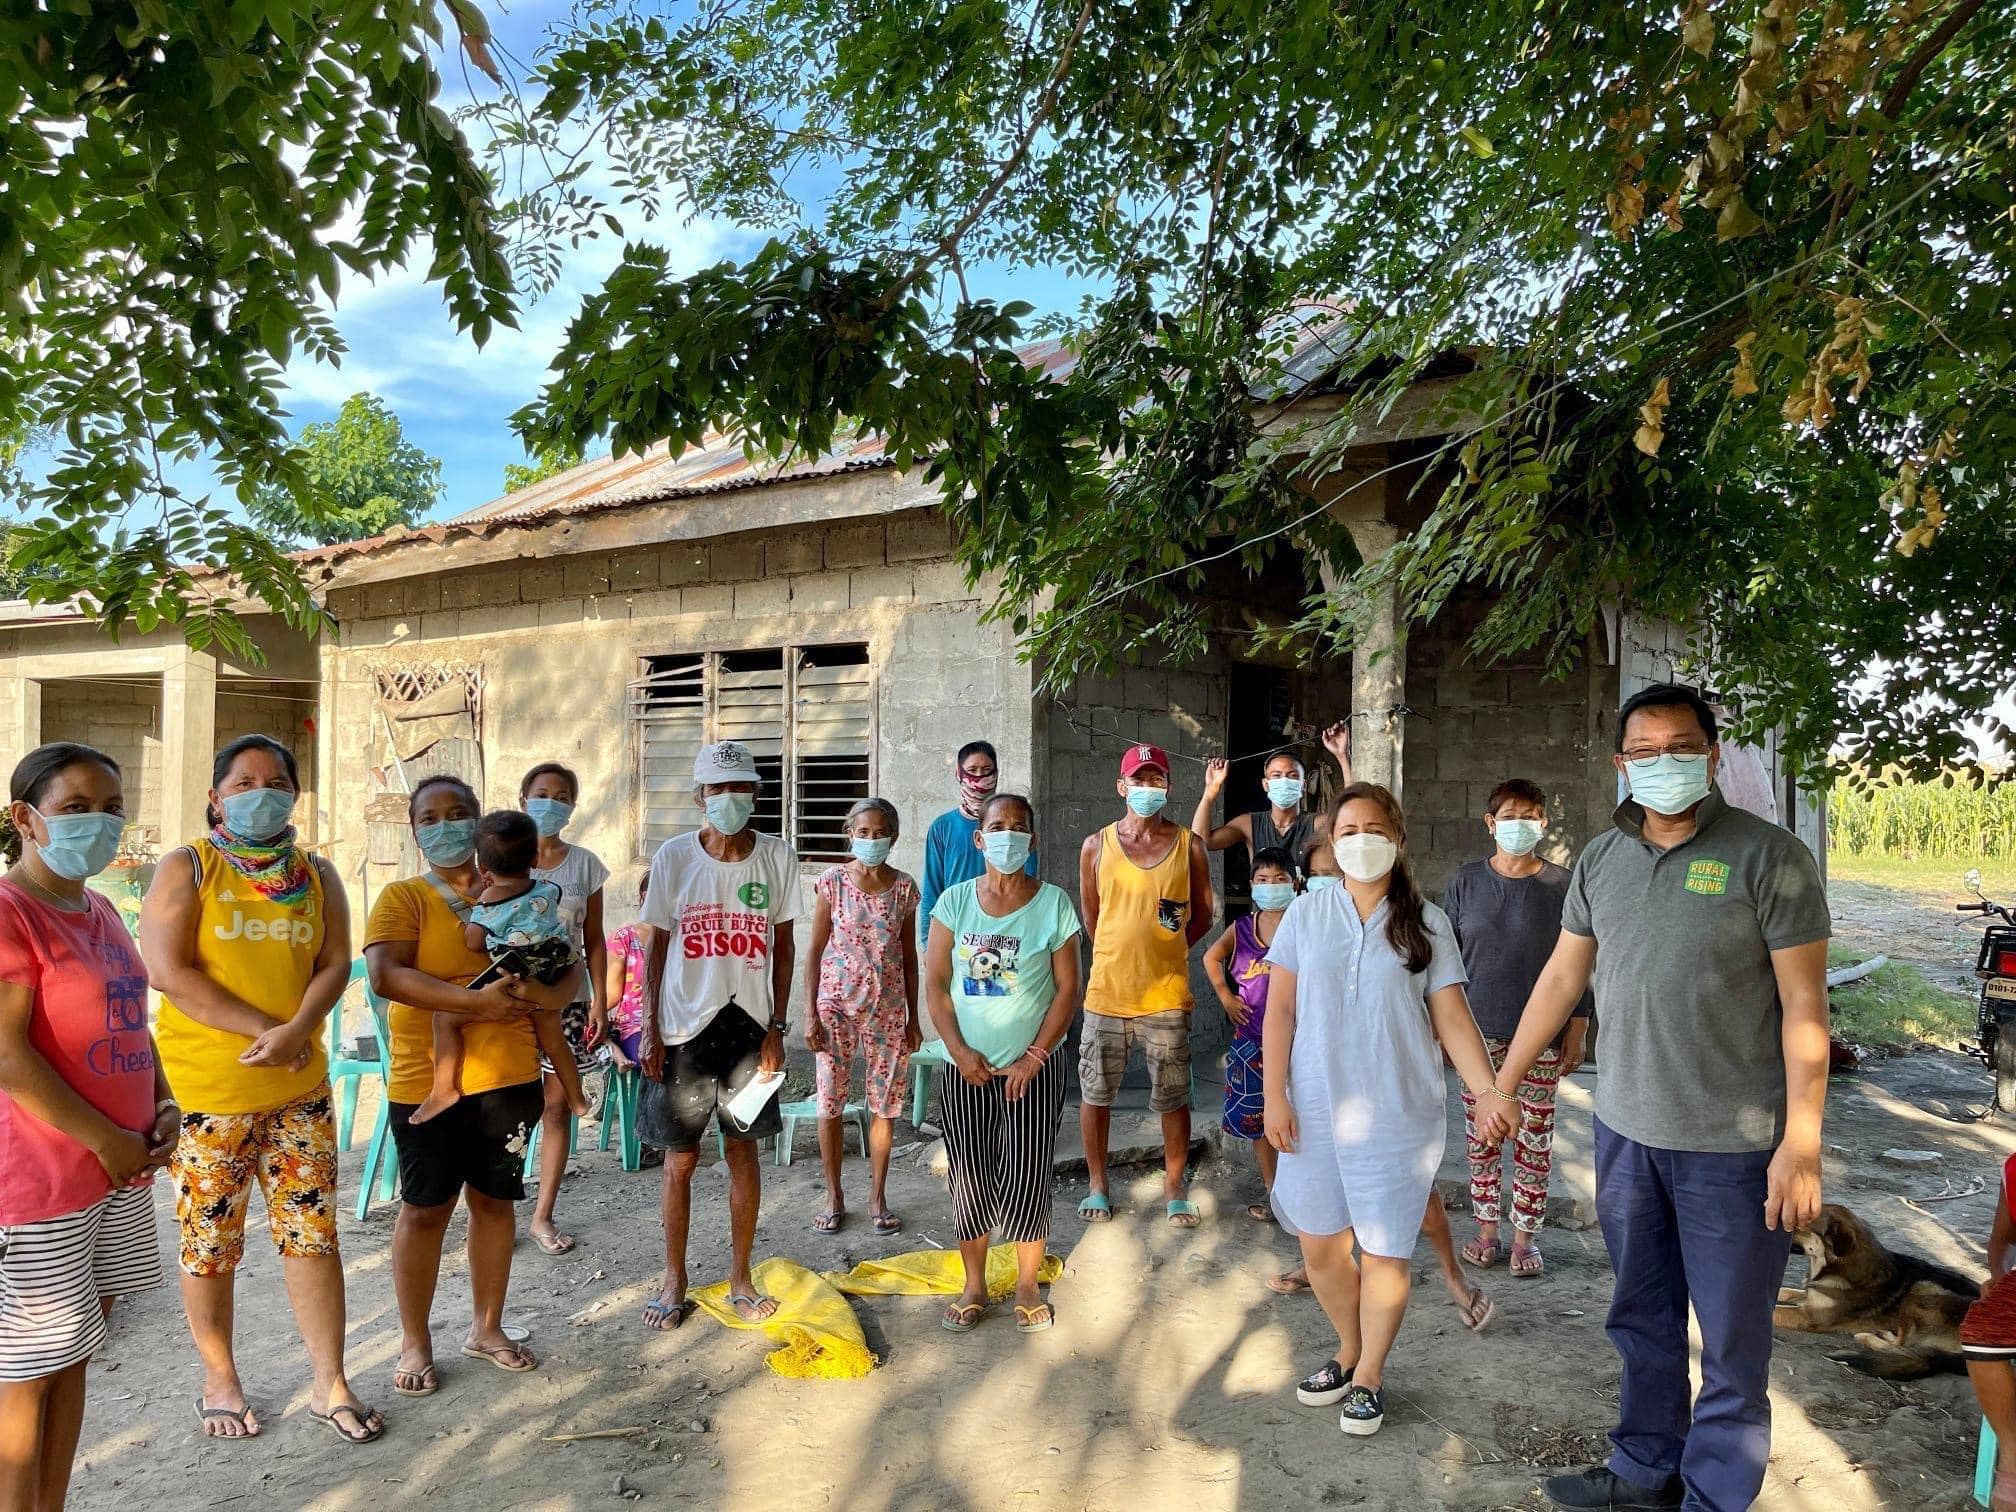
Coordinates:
1181 1208
1096 1209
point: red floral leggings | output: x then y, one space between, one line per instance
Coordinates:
1532 1146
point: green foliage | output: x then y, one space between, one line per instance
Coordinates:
186 184
547 462
1898 1006
360 478
1962 816
1732 282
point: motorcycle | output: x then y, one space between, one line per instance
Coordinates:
1995 1019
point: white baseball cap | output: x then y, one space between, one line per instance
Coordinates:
725 761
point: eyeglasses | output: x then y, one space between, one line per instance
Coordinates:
1645 756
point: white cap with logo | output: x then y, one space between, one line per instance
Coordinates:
725 761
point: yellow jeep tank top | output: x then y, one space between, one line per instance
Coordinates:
1141 953
260 952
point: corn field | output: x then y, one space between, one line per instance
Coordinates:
1961 815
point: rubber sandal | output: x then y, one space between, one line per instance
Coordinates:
828 1222
1181 1208
1034 1319
1259 1212
1473 1319
1480 1254
888 1223
1096 1209
1287 1284
738 1303
496 1357
662 1316
963 1317
1527 1263
430 1382
559 1244
219 1414
366 1434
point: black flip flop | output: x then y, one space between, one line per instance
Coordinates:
366 1434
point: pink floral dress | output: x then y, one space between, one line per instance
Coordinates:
631 943
860 1000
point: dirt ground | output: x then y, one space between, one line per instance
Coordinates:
1169 1375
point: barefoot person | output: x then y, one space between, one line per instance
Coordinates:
421 964
247 939
863 957
721 907
1506 911
85 1115
1236 965
1002 978
1705 931
1144 885
1365 980
549 793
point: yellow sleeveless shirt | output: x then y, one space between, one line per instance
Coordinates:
260 952
1141 953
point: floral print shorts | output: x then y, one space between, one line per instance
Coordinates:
289 1151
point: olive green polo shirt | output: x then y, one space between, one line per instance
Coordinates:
1689 1055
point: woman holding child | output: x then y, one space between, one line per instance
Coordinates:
247 938
422 963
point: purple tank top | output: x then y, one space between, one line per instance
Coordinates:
1249 976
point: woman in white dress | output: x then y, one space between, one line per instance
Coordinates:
1366 979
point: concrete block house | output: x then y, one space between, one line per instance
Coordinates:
618 615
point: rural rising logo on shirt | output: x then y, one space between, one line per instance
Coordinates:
987 964
1708 877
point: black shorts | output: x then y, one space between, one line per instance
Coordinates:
700 1075
479 1143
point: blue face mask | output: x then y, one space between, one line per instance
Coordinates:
1147 801
550 814
448 842
729 812
1671 785
1271 896
1322 884
258 814
872 852
1517 837
1284 792
1007 851
80 845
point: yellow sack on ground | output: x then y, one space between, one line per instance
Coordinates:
936 1273
822 1339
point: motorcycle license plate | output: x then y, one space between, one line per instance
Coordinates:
2003 989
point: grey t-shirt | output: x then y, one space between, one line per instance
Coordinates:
1689 1055
1507 927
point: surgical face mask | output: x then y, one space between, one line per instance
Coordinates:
1671 784
1007 851
257 813
448 842
1365 858
550 814
1147 801
872 852
1269 896
80 845
729 812
1517 837
1322 884
1284 792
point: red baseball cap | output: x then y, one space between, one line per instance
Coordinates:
1141 756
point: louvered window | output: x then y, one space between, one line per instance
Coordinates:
806 715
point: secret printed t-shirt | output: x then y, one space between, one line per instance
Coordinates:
721 918
1690 1057
1002 983
88 1020
493 1055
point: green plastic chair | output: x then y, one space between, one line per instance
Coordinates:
539 1129
792 1112
619 1111
923 1059
1984 1465
346 1071
381 1159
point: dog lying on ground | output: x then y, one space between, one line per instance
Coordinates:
1904 1311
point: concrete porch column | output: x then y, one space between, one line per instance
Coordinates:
188 741
1378 667
23 716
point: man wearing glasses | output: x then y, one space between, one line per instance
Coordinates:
1704 929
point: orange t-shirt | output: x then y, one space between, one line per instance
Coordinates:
493 1055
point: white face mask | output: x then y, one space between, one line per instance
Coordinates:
1517 837
1365 858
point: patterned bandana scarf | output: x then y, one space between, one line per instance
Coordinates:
277 869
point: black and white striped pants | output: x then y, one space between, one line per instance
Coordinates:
999 1153
53 1272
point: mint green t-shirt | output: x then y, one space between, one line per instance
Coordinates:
1001 977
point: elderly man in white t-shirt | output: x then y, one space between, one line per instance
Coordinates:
721 905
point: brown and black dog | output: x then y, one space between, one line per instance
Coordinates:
1904 1311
